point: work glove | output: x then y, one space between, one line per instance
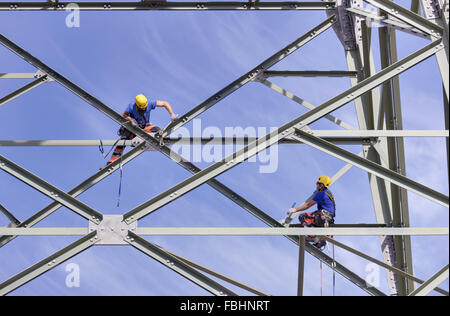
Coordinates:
173 117
134 123
291 211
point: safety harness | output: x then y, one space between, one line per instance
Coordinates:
141 118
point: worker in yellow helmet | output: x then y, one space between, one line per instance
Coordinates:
323 216
138 115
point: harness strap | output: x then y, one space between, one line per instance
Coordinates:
330 195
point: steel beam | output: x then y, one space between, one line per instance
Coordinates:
288 231
44 231
241 231
49 190
380 263
10 216
415 7
432 283
373 168
216 274
306 104
301 265
310 73
408 17
22 90
79 189
251 75
48 263
391 103
17 75
177 265
328 135
370 17
167 5
284 131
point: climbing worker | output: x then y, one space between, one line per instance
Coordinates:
322 217
138 115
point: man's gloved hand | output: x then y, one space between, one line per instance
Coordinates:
291 211
134 123
173 117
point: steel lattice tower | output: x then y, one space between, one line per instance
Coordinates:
376 96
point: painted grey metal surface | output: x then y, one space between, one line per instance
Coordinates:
112 230
158 5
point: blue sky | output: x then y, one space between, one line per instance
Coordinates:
184 57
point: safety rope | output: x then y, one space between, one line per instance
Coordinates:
334 273
320 277
120 182
102 150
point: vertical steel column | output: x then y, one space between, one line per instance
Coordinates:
396 155
356 39
301 265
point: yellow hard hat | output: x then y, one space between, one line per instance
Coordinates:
325 180
141 101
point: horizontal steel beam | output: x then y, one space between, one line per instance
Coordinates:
373 168
49 190
168 5
300 231
328 135
79 189
349 140
22 90
310 73
17 75
178 266
240 231
48 263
